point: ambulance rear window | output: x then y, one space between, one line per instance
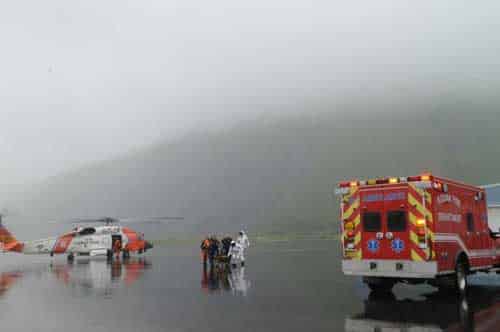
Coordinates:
396 221
371 222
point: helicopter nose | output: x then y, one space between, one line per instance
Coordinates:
148 245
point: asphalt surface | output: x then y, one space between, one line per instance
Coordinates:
285 286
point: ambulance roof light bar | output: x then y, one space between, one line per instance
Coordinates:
425 177
392 180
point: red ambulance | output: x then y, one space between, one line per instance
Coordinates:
416 229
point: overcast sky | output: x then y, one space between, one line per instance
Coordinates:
82 81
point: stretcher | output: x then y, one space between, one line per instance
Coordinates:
222 262
222 259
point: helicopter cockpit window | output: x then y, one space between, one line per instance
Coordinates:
87 231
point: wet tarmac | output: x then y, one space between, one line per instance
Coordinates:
285 286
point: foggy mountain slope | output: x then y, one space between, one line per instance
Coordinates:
280 172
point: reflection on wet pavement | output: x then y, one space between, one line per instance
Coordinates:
214 280
7 280
284 287
479 311
89 276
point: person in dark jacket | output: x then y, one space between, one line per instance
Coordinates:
226 244
213 249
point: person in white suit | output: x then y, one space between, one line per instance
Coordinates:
235 254
244 243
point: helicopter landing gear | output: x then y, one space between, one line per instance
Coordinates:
109 255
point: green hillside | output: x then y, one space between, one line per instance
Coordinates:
279 174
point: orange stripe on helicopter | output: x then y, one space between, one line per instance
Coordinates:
63 243
135 242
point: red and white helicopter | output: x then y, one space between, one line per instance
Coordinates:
90 240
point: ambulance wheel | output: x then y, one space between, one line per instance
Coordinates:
380 284
109 255
382 287
71 258
461 278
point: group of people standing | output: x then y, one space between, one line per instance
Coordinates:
226 250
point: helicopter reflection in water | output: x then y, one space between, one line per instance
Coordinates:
479 311
7 280
100 276
215 280
87 276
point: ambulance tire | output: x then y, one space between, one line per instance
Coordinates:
455 283
71 257
381 285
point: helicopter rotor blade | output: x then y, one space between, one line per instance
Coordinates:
86 220
152 220
127 220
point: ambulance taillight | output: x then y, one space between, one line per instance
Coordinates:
349 236
422 233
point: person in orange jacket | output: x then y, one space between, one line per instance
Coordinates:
117 248
205 245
